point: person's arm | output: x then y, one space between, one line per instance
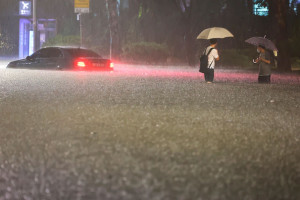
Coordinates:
265 60
216 55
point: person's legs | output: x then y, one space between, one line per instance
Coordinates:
268 79
210 77
206 76
264 79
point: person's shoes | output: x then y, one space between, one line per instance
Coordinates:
208 82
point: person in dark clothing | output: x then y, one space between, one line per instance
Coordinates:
264 62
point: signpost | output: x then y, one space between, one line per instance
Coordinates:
25 8
34 18
26 36
81 7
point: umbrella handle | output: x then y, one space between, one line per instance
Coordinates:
255 61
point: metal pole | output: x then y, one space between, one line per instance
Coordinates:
110 34
34 26
81 36
110 46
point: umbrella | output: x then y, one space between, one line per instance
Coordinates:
268 44
214 33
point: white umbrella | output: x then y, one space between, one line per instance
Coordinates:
214 33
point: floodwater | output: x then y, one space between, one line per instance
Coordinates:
148 133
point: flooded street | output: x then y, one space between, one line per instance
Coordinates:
148 133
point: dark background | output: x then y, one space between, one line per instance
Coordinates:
164 31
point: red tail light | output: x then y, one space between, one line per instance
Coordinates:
80 64
111 65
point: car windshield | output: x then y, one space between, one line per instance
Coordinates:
82 53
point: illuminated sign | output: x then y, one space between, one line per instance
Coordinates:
82 6
31 42
25 8
264 10
260 10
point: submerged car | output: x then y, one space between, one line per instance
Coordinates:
63 58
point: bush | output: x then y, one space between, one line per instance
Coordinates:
294 46
238 57
61 40
295 63
6 44
147 52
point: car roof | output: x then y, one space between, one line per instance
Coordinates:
66 47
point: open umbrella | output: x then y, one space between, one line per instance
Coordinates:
214 33
268 44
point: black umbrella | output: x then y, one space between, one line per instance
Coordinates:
263 41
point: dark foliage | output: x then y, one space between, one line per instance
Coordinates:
175 23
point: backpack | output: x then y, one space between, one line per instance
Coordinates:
204 61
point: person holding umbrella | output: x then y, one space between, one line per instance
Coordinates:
264 47
210 54
264 63
212 57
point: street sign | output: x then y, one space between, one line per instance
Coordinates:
82 6
25 8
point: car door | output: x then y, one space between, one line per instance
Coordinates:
31 62
48 58
52 58
36 60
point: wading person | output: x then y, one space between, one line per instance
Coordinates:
212 57
264 63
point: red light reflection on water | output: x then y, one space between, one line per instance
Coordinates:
160 73
220 75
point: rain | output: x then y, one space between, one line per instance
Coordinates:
122 111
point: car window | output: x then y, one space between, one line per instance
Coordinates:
37 54
47 53
82 53
53 53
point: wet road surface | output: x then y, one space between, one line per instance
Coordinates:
148 133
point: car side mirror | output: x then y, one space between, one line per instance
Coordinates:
29 58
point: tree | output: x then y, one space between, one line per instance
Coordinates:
250 5
278 13
112 8
5 7
237 12
196 15
281 8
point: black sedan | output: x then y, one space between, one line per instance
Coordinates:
63 58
